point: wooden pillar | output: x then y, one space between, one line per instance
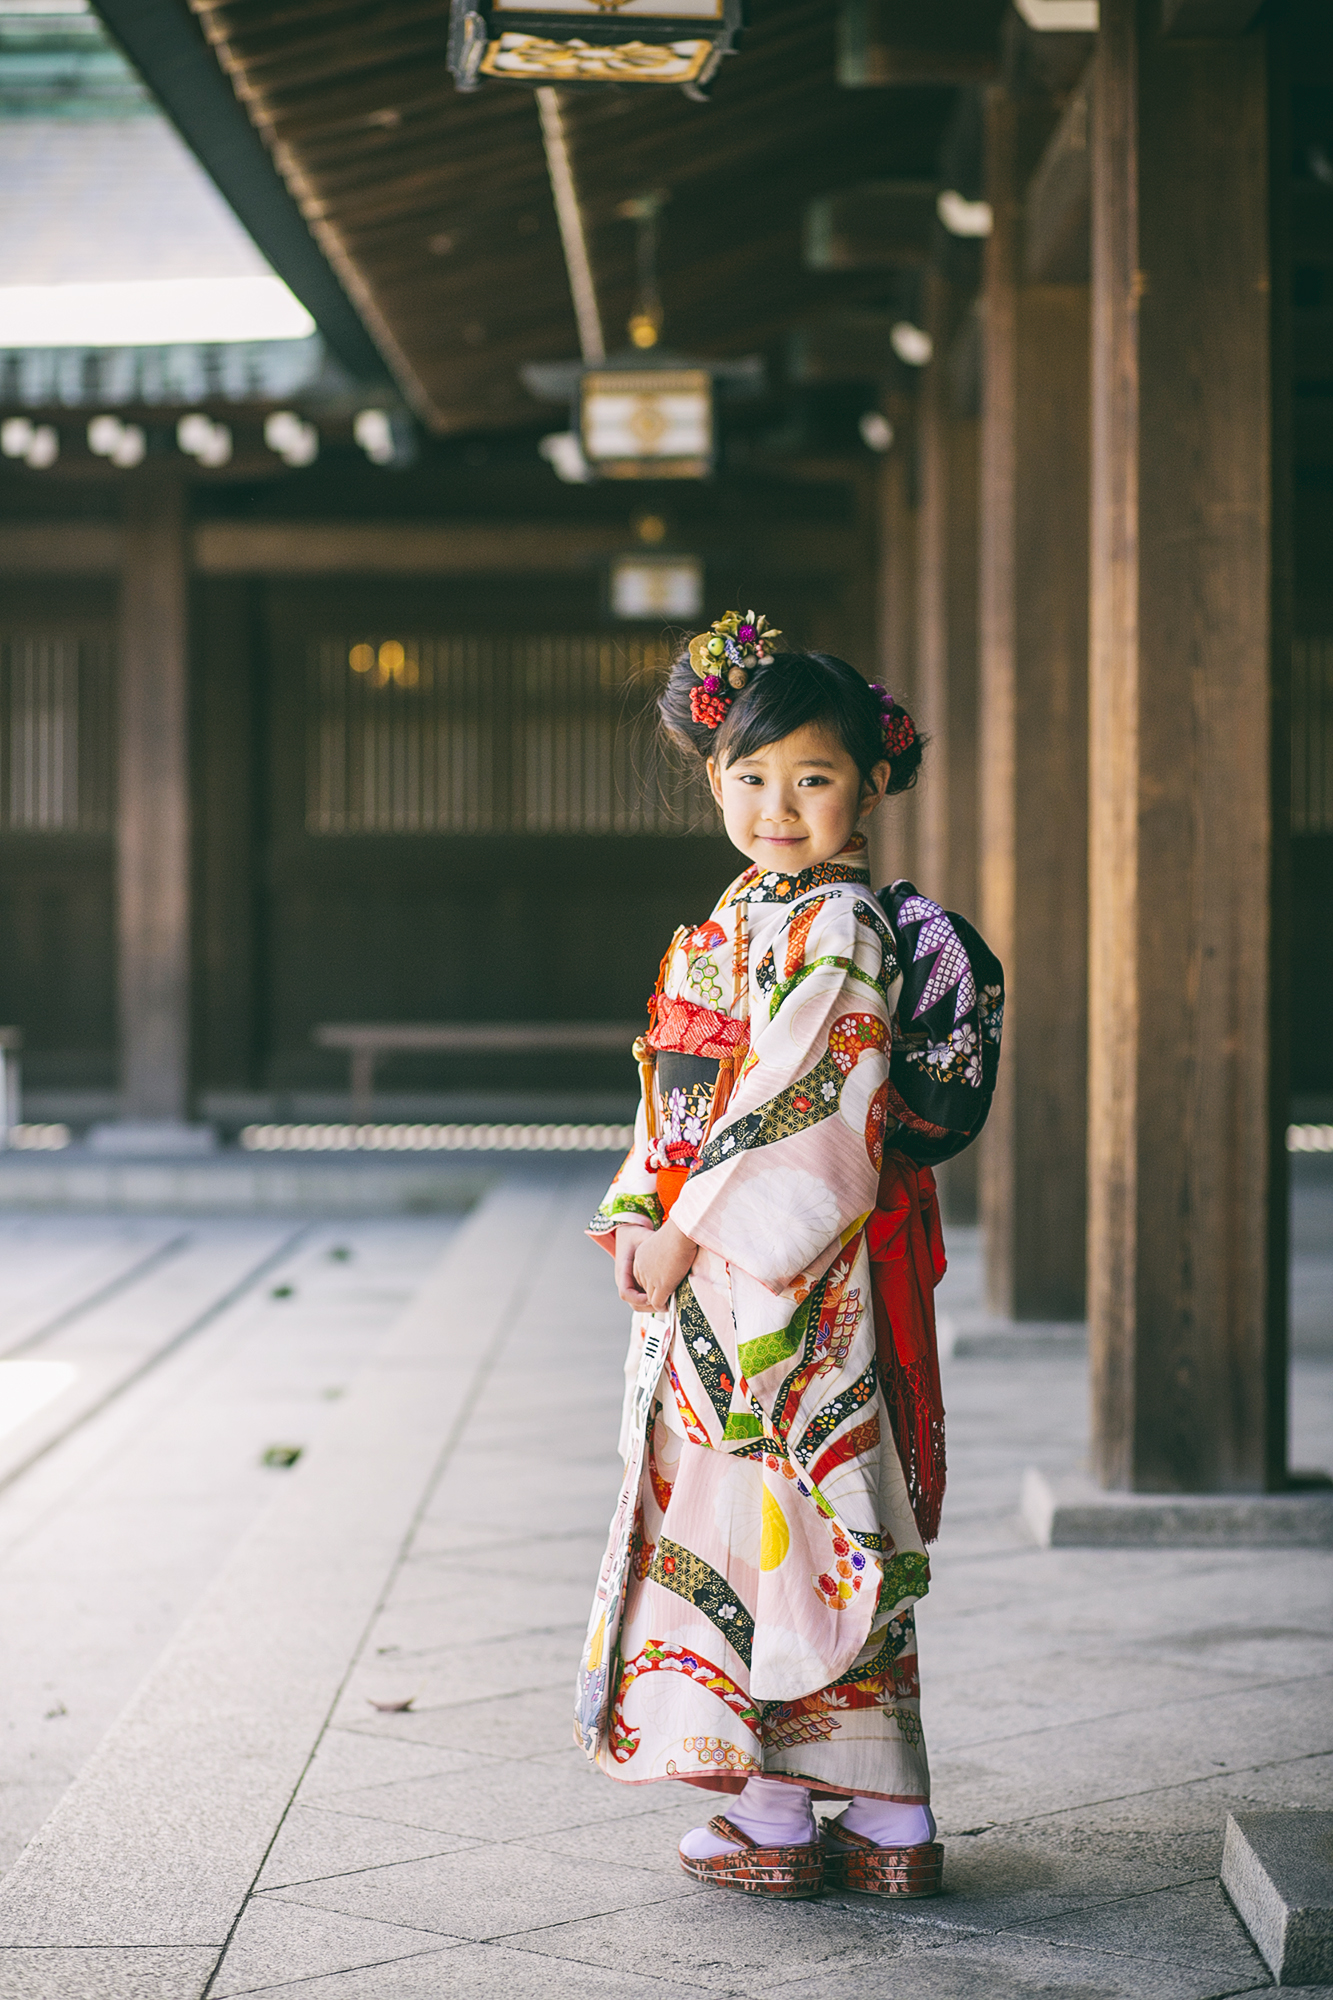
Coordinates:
153 859
892 831
1033 708
947 816
1185 1319
225 919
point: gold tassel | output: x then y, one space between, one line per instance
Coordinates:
647 1061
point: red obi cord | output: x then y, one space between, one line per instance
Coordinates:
906 1246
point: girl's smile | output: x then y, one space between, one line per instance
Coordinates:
796 801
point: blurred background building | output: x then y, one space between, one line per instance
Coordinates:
380 393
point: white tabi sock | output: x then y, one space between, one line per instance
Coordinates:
773 1813
887 1824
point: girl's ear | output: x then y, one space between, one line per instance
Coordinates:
872 792
715 778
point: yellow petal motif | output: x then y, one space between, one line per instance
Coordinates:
595 1646
775 1535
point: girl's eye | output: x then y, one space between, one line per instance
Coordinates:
814 779
751 778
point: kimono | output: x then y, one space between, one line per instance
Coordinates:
812 1050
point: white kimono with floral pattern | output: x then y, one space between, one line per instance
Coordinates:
775 1560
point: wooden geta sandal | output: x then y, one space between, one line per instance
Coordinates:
759 1871
853 1862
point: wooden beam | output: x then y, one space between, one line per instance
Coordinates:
429 548
899 41
61 548
852 347
153 804
1033 759
1057 212
1208 17
1186 1331
377 548
878 226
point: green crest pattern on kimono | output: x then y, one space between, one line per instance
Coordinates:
808 1057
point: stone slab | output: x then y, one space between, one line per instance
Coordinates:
1071 1512
60 1974
975 1336
240 1184
132 1330
1277 1868
160 1838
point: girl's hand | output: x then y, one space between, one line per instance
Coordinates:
629 1235
661 1261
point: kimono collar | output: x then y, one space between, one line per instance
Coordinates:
767 885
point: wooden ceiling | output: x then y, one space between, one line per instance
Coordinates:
435 207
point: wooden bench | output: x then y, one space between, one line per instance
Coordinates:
367 1041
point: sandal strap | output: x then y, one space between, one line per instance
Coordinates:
844 1833
724 1830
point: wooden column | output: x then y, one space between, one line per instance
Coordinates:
1185 1315
153 819
1033 707
226 916
892 831
946 857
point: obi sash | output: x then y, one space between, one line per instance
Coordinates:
700 1041
906 1246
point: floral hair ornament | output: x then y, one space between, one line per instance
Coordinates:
897 725
724 657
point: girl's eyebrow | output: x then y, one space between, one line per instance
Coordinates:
819 763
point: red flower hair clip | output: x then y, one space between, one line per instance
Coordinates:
897 725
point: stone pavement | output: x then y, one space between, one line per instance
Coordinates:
192 1348
1092 1714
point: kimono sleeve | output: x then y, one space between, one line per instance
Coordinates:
632 1195
946 1044
794 1165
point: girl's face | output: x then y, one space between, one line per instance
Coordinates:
796 802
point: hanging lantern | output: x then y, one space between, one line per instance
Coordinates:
540 42
640 417
647 423
641 586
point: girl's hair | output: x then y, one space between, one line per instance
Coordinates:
791 690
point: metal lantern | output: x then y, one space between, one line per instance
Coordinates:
636 417
656 586
539 42
647 423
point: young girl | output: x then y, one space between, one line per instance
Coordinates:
810 1050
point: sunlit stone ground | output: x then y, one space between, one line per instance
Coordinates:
1093 1715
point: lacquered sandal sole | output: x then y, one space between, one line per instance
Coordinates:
885 1871
791 1881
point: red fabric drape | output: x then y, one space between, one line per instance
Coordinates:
906 1245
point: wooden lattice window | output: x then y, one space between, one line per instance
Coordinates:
57 740
522 734
1312 736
